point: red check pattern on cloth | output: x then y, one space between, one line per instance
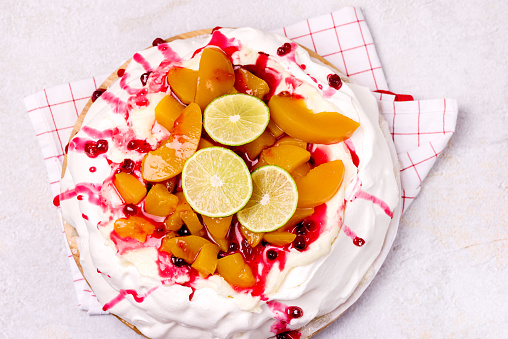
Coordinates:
420 129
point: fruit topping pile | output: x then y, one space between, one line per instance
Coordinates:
234 184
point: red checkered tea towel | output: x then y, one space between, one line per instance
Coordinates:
420 129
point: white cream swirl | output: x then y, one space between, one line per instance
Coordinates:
317 280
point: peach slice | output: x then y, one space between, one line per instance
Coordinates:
288 157
130 189
206 261
248 83
191 220
215 76
235 271
134 227
301 170
160 202
320 184
183 82
277 238
274 129
218 228
186 247
299 215
174 222
167 111
253 238
167 161
292 115
287 140
254 148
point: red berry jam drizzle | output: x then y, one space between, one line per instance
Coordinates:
356 240
283 314
142 61
158 41
375 200
139 298
228 46
271 76
92 169
92 191
352 151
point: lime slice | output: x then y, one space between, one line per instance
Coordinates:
216 182
236 119
273 200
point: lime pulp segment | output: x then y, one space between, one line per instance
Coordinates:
216 182
273 201
236 119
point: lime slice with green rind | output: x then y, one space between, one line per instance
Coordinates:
273 201
216 182
235 119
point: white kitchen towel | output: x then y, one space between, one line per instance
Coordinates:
420 129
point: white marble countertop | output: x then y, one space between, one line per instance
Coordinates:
447 273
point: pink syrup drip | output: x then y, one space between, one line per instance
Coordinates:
293 82
142 61
92 169
369 197
229 46
116 104
271 76
279 313
329 92
139 298
356 240
91 190
84 216
168 53
98 271
158 78
125 86
97 134
320 155
352 151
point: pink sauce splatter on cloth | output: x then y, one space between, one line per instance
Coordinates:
139 298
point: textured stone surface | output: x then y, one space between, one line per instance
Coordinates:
446 274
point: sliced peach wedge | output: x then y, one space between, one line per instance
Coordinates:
134 227
293 117
320 184
248 83
235 271
215 76
167 111
167 161
288 157
183 83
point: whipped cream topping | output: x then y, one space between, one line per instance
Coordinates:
128 280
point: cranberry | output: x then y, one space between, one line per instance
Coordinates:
263 53
216 28
183 231
160 229
294 312
300 230
358 241
127 165
334 81
309 225
144 78
158 41
271 254
299 243
178 262
284 49
120 72
97 93
139 145
102 146
130 209
233 247
91 149
66 150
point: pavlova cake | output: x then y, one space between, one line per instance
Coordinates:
228 186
